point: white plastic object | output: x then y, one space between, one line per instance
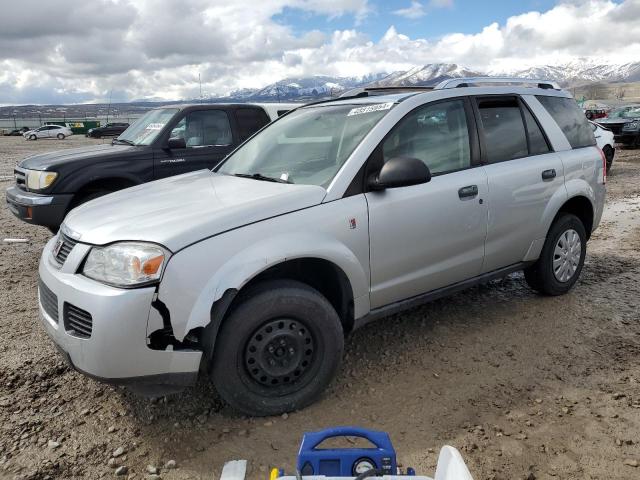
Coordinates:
451 466
234 470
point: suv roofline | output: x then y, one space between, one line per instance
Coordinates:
501 81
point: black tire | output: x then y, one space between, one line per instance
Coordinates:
280 321
609 152
32 137
60 136
541 276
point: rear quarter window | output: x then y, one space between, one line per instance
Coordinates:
570 119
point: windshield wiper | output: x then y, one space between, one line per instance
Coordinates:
259 176
121 140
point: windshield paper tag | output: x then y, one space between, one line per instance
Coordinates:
370 108
155 126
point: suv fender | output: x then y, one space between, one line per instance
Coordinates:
190 303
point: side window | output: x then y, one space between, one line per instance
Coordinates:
537 142
570 119
437 134
504 131
204 128
250 120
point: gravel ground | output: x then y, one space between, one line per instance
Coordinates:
527 387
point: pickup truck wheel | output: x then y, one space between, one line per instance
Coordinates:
84 198
562 257
278 349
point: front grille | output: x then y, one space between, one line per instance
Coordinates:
64 248
77 322
21 181
48 300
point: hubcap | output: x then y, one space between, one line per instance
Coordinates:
566 256
279 352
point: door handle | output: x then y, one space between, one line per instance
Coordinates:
468 191
549 174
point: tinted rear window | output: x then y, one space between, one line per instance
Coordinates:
570 119
504 131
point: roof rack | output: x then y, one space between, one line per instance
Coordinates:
481 81
371 91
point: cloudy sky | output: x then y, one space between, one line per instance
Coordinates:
80 51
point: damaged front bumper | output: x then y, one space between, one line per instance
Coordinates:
102 330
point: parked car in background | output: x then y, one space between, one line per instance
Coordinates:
339 213
166 141
16 132
605 141
48 131
624 122
594 113
108 130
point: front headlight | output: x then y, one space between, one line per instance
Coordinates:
39 180
126 264
631 126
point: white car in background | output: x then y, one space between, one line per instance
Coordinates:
48 131
605 141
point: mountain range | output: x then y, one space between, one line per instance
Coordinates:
576 73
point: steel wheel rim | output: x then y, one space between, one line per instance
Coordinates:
566 255
279 353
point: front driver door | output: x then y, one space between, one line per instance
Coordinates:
208 138
428 236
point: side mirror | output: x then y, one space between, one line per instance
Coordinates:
175 143
400 172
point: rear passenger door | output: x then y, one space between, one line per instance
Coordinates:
523 174
249 120
208 138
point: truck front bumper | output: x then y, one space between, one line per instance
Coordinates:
627 139
46 210
102 331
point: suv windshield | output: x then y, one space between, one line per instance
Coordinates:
307 146
626 112
146 128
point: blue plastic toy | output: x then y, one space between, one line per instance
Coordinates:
346 462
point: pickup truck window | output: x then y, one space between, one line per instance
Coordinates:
146 128
204 128
250 120
308 145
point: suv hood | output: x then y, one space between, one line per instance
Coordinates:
184 209
49 161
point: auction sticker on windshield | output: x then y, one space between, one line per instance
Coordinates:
370 108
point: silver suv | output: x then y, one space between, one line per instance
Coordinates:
336 214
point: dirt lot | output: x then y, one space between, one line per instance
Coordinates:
527 387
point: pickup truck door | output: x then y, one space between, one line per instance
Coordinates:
208 137
428 236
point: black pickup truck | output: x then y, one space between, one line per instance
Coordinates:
166 141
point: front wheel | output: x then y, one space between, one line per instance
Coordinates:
32 137
562 257
278 349
60 136
609 152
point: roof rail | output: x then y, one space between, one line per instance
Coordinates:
371 91
478 81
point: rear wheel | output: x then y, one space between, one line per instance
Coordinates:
60 136
278 349
562 257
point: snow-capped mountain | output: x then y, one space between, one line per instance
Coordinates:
425 75
308 87
576 73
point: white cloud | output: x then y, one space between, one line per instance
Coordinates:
157 48
413 11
